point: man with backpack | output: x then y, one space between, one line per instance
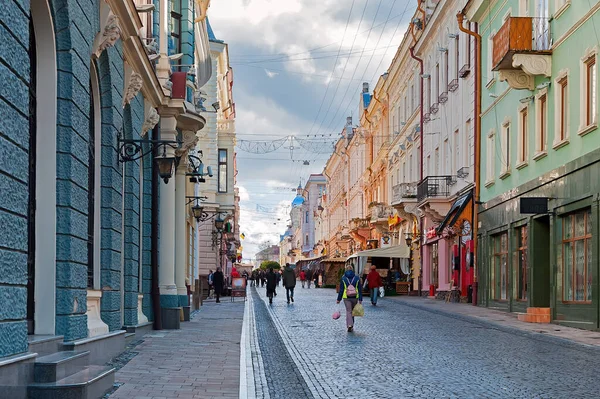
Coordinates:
351 293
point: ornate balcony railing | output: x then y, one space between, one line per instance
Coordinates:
403 191
379 212
359 223
520 35
435 186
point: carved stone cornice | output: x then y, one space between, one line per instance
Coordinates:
151 120
134 84
108 36
517 79
533 64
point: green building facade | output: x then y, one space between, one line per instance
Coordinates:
539 138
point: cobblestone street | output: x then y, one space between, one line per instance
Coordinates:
400 351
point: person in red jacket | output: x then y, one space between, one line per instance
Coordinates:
374 281
302 278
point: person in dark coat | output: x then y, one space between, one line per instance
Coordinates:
309 277
271 284
218 281
289 282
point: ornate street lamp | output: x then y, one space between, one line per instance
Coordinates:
132 150
408 239
197 212
219 223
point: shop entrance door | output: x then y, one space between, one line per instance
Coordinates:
539 261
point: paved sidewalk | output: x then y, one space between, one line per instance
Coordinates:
202 360
502 320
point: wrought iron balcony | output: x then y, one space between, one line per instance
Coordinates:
435 186
403 191
520 35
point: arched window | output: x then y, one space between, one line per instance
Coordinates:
94 168
42 265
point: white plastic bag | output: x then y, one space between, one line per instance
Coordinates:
381 292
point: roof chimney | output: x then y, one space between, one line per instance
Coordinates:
365 87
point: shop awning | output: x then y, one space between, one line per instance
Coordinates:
461 209
398 251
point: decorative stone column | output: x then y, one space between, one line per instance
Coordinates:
181 248
168 289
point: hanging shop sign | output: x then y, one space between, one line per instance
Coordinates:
533 205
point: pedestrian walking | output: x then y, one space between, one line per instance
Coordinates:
302 278
218 281
271 279
263 278
309 277
374 281
289 282
316 277
210 284
351 293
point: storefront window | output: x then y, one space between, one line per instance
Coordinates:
434 264
520 271
500 268
577 255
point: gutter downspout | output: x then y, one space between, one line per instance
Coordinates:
420 61
477 139
155 291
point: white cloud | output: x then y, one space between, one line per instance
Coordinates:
271 74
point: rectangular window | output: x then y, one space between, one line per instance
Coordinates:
456 156
520 262
222 170
434 264
577 256
523 132
446 69
490 157
457 56
176 25
437 83
448 159
505 143
591 112
542 130
500 267
469 152
306 217
562 109
437 161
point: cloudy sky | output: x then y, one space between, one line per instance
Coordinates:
298 71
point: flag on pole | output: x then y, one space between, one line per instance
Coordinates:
242 236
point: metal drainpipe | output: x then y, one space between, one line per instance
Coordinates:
420 61
460 18
155 291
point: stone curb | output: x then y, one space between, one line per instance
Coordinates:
502 327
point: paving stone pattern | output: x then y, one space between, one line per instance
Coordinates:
400 351
283 378
200 361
